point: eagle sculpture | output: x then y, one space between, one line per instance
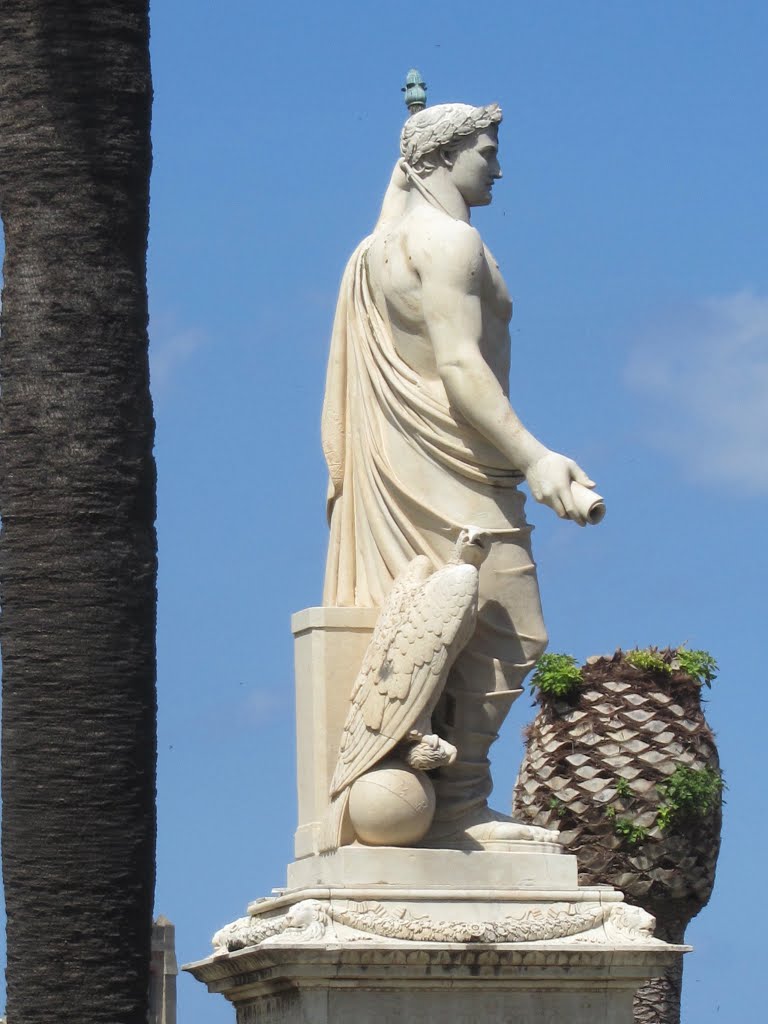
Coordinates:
427 619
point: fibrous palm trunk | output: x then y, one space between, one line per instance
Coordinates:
77 499
593 767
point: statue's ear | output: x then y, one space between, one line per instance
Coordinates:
447 156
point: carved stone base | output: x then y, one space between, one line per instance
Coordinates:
377 983
380 935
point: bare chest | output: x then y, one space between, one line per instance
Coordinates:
496 297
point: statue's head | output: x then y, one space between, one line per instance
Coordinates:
460 138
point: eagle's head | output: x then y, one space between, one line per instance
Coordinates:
473 546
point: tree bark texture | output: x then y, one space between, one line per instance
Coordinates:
659 1000
77 500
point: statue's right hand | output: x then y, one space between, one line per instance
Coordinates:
550 478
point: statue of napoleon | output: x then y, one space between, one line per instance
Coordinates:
421 440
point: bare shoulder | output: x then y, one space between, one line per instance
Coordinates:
440 246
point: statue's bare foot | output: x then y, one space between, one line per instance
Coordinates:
485 829
430 752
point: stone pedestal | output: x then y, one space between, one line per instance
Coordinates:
329 648
385 935
434 984
374 935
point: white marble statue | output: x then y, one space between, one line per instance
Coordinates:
421 439
409 899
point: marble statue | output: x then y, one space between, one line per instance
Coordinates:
409 898
421 440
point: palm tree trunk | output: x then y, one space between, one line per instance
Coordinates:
77 500
658 1001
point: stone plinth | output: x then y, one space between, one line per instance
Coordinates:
378 983
452 874
329 648
380 935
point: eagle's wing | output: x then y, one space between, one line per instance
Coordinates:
421 630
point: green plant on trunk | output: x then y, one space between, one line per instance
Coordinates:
699 665
622 787
648 660
557 806
557 676
689 793
627 830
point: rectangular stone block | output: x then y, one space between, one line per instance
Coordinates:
452 870
546 983
328 649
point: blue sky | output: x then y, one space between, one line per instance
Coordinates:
630 226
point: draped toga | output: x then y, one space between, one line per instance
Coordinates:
407 472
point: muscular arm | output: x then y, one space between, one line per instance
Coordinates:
450 263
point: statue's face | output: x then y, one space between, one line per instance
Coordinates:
475 167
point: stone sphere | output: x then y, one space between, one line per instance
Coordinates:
391 805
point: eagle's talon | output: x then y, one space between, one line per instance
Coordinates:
431 752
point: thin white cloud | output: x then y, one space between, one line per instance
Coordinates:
704 377
169 349
246 711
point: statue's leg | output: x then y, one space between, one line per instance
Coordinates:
484 682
